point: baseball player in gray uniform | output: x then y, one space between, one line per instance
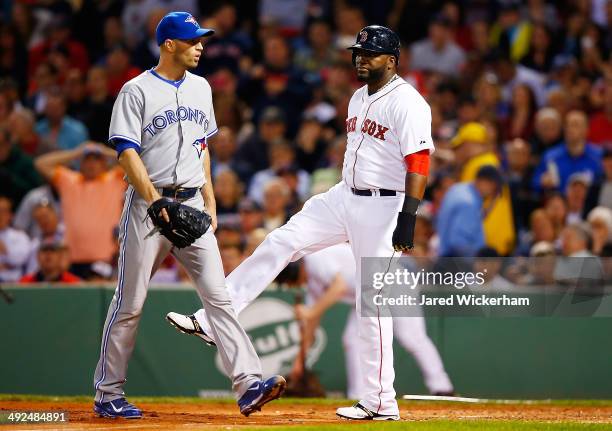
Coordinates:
160 125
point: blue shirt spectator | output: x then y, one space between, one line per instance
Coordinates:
459 221
575 155
57 130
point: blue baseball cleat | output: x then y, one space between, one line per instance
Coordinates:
260 393
118 408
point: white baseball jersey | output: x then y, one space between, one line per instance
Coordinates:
169 123
382 129
323 266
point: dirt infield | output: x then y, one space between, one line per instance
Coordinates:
225 415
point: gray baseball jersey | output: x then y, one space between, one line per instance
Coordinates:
169 122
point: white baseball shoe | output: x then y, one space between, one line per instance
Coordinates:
360 413
189 325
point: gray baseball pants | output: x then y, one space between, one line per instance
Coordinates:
139 258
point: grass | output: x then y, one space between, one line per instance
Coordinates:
457 425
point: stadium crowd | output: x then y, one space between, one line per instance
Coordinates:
525 87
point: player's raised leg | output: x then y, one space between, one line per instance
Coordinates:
318 225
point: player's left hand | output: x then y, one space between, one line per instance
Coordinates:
403 235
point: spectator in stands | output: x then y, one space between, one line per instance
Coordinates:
520 119
223 152
14 58
14 245
146 54
540 55
24 217
541 266
459 221
574 155
573 272
59 37
510 33
228 192
600 222
231 256
57 130
330 174
319 52
251 216
541 229
48 227
254 152
119 69
489 263
45 79
50 257
511 74
487 94
548 129
277 82
438 53
605 193
90 198
600 125
98 104
578 186
310 142
17 175
76 92
228 46
518 173
472 148
22 132
281 155
276 195
556 208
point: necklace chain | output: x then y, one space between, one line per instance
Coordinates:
393 78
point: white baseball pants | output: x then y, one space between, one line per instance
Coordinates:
338 215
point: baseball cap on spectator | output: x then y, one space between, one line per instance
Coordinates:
542 248
248 205
580 177
473 132
92 150
51 244
563 60
272 114
490 173
180 25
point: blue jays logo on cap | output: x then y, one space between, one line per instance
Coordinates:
180 25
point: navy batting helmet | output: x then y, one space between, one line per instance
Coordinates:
377 38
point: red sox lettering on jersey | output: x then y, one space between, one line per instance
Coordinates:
382 129
369 126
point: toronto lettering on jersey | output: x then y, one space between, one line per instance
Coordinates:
370 127
163 120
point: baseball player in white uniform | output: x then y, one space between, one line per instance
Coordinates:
373 208
160 125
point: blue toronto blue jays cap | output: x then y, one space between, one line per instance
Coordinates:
180 25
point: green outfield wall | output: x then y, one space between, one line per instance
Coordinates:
50 340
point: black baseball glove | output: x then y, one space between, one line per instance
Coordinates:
186 223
